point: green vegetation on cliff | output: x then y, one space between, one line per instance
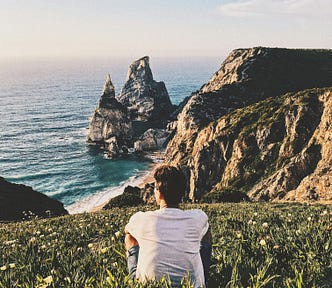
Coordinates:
254 245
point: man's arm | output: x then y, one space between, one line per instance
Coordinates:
206 251
207 238
130 241
132 250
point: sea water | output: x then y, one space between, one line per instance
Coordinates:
44 111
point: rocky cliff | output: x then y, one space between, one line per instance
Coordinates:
269 149
19 202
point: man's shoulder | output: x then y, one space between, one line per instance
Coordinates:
141 214
197 213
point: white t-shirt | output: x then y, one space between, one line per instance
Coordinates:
169 240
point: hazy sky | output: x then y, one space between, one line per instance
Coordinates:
112 28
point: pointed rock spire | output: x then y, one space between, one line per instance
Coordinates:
108 87
108 93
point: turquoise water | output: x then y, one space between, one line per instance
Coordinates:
44 108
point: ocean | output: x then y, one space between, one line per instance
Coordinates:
44 108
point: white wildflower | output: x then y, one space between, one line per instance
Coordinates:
48 279
262 242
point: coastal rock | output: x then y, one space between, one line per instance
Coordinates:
110 124
247 151
146 99
18 202
308 173
152 139
142 104
247 76
113 147
219 144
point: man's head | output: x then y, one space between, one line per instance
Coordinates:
171 183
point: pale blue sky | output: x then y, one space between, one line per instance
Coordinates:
115 28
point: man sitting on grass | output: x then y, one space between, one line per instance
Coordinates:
169 242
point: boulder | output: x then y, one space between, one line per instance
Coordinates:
152 139
20 202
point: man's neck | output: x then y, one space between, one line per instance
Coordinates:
163 204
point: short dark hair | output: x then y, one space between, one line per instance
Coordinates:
171 182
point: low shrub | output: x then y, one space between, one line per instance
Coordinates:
124 200
225 195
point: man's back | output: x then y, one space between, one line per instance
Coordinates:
169 241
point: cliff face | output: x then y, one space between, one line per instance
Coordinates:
20 201
260 146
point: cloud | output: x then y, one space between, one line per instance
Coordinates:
294 8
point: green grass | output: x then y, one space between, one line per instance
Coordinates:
254 245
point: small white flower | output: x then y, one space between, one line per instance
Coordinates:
255 214
262 242
117 234
33 240
309 218
48 279
12 265
103 250
265 225
3 268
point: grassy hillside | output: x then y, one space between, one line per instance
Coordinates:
254 245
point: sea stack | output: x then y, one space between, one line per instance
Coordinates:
137 118
110 124
147 100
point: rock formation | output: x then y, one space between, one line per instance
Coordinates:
146 99
19 202
137 118
110 124
257 148
152 139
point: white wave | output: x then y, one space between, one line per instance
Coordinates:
98 199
